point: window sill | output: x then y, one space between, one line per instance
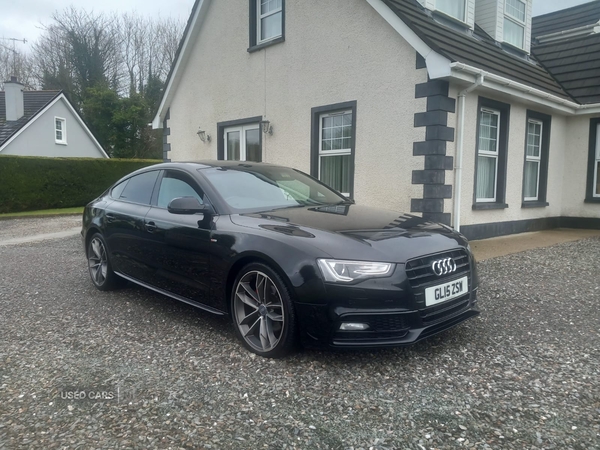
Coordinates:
60 143
484 206
258 47
534 204
592 200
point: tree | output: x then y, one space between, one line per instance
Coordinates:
15 63
78 51
112 69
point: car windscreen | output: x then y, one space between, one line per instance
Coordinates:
254 188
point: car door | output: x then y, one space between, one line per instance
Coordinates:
178 247
124 224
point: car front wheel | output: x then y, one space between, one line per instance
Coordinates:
99 265
263 312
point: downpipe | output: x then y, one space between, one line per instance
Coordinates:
462 98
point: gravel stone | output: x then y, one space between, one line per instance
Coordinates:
524 375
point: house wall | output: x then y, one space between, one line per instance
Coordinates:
38 138
326 59
515 164
575 169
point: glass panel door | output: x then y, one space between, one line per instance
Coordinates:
253 150
232 150
243 143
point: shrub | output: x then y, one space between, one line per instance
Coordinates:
33 183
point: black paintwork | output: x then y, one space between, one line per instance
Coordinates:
195 257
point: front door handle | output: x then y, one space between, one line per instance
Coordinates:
151 227
110 218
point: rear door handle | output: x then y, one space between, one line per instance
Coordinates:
151 227
110 218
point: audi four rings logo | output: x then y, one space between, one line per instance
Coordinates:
443 266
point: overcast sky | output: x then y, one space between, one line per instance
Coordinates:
21 18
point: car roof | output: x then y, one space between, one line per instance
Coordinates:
207 164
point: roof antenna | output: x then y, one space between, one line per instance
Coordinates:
14 50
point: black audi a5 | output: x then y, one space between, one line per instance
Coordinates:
287 258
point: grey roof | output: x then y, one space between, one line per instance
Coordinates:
478 50
566 19
575 63
34 102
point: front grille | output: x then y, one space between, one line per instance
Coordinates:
391 322
420 273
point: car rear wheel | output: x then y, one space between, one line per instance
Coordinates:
99 265
263 312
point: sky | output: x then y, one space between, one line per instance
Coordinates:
23 19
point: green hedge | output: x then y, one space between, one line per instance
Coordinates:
33 183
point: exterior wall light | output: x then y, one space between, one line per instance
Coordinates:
203 136
266 126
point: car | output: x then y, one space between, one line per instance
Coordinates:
290 260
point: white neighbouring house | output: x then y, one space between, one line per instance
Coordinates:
43 123
469 112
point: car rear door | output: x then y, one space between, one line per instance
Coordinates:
124 225
178 244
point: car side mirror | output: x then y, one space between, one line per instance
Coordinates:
187 205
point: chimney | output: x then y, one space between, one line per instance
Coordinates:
13 96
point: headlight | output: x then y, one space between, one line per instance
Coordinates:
338 271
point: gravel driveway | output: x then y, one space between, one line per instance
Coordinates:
524 375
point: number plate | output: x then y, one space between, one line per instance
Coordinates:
447 291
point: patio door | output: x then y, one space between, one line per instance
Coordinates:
243 143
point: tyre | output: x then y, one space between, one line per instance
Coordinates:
99 266
263 312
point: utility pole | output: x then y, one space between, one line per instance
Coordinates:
14 50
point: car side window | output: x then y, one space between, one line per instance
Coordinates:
175 185
139 188
118 189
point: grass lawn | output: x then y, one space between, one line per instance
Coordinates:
44 212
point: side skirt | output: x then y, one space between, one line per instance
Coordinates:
174 296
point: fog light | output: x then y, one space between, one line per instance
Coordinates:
349 326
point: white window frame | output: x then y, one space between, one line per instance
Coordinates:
516 21
488 154
340 152
536 159
463 19
242 130
596 161
63 130
260 17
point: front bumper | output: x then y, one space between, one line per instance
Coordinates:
394 310
387 327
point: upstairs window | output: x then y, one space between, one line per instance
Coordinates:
270 16
454 8
266 23
514 22
60 130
